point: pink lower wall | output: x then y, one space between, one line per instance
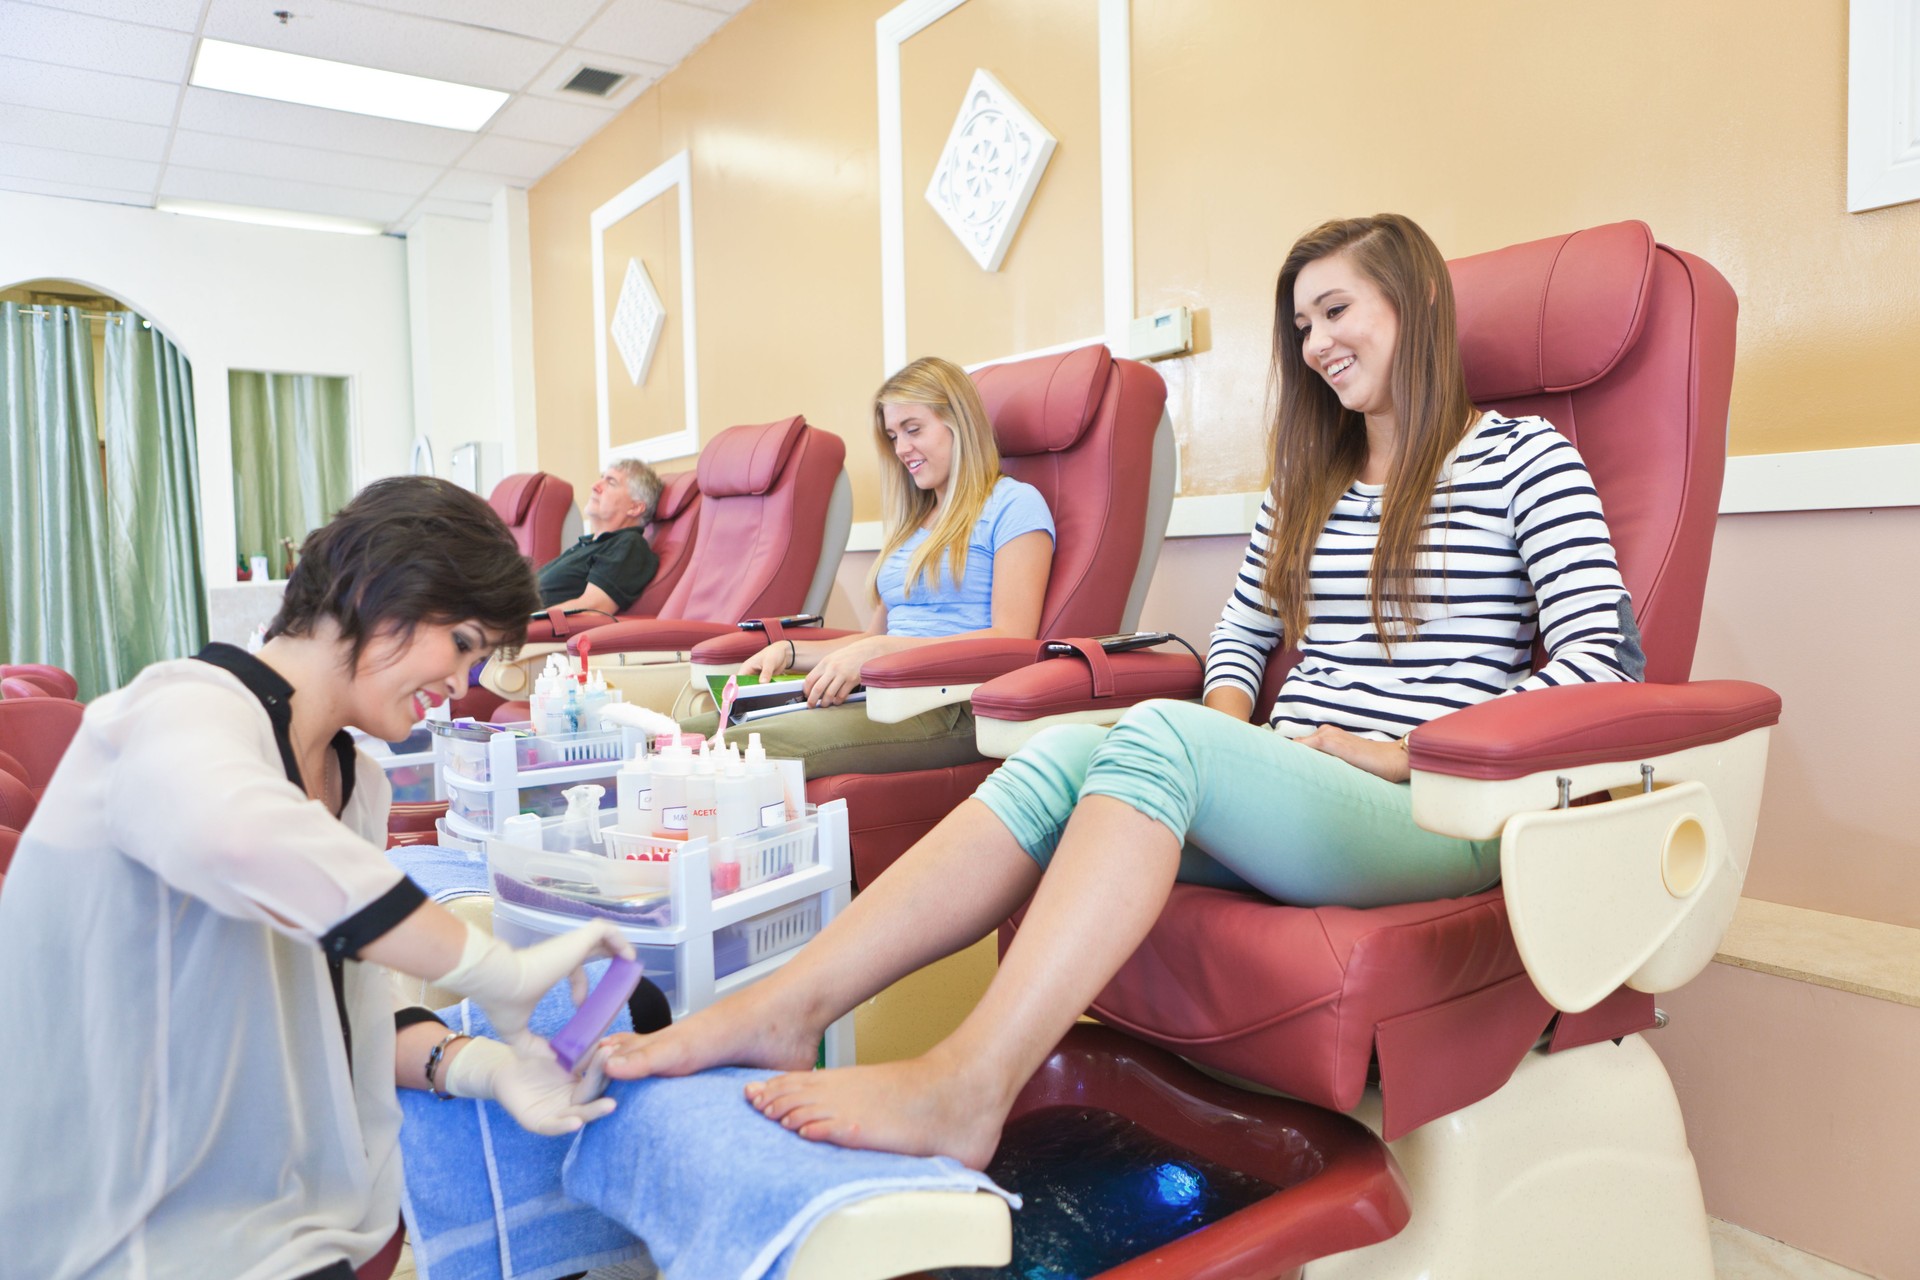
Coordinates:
1801 1113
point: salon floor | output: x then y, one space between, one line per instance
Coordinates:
1738 1254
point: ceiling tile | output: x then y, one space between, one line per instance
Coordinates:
639 73
208 111
657 30
465 184
89 93
280 160
555 20
64 166
565 124
76 191
271 193
96 44
522 160
372 37
180 15
85 135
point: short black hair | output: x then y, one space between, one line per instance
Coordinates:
408 550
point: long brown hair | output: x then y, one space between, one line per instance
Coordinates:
1318 446
946 390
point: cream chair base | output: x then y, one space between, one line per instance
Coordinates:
907 1232
1577 1168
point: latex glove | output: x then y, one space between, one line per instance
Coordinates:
534 1088
509 983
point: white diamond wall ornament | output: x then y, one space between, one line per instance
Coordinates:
638 318
989 169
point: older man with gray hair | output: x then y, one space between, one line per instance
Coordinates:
611 564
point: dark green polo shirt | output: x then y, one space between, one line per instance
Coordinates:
620 563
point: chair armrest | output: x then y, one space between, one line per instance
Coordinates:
1578 725
554 628
902 685
1068 690
649 635
737 646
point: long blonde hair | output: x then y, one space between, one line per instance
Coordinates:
944 388
1319 446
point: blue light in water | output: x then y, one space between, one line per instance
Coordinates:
1177 1184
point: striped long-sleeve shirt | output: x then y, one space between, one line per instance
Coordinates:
1516 546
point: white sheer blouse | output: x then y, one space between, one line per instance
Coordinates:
175 1098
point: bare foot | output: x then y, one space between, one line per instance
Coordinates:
752 1028
915 1108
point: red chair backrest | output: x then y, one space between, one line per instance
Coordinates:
59 683
764 494
676 519
35 732
1079 427
534 505
1627 347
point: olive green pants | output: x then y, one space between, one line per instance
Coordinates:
835 740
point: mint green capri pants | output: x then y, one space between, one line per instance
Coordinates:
1251 808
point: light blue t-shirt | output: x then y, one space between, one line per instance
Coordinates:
1012 509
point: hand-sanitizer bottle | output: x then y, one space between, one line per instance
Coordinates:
633 792
671 765
769 794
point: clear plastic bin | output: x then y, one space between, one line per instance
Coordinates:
521 926
766 855
477 808
764 936
572 882
477 752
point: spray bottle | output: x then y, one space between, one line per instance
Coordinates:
580 829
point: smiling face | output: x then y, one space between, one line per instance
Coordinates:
923 444
402 677
1348 333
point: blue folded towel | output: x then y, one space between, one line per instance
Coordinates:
718 1190
714 1188
442 874
482 1196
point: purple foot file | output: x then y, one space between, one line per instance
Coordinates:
597 1013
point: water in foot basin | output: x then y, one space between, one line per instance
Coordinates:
1099 1189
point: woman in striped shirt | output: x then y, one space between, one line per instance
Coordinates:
1412 548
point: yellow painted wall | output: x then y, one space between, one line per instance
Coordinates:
1722 123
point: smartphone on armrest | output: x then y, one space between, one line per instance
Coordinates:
793 620
1122 643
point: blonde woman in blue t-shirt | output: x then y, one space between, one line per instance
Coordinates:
967 553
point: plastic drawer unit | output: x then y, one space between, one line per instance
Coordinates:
696 947
489 774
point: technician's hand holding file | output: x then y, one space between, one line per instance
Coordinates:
508 983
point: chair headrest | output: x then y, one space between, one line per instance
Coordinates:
677 492
747 460
1552 315
1045 404
514 495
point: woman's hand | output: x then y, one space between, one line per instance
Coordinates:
509 983
534 1088
770 661
835 675
1381 759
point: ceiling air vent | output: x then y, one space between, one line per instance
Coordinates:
594 81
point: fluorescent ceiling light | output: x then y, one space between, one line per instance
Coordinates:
269 217
341 86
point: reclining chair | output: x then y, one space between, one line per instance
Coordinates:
1091 433
775 507
44 679
536 507
34 733
1540 1133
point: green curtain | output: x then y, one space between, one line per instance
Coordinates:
153 496
55 602
290 458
